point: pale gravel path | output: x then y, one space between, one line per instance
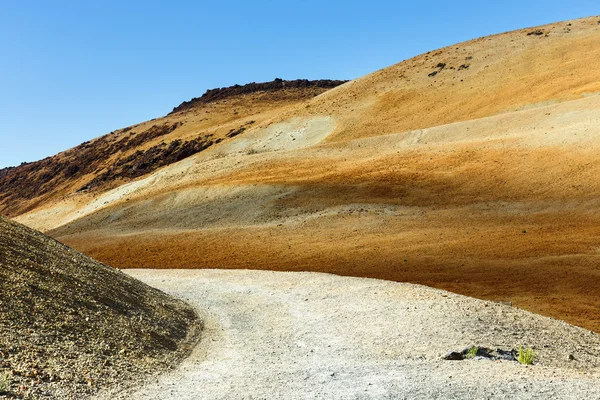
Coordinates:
273 335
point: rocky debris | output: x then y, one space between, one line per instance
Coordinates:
440 67
36 179
481 353
240 130
212 95
71 326
144 162
454 356
537 32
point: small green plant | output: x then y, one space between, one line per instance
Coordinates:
524 231
472 352
5 381
525 356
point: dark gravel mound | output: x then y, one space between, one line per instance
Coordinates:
71 326
236 90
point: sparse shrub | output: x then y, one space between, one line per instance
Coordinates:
5 381
525 356
472 352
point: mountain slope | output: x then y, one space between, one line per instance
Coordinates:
70 326
126 154
470 80
471 168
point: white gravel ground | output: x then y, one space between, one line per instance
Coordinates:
273 335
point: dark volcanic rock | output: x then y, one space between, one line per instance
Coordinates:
235 90
36 179
454 356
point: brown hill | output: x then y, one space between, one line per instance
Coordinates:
471 168
126 154
70 326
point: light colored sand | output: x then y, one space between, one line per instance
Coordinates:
273 335
297 133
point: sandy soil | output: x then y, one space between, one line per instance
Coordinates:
304 335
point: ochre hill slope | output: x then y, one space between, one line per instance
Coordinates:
470 80
126 154
70 326
480 179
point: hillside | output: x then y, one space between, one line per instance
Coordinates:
70 326
126 154
471 168
467 81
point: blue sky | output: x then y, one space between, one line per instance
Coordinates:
74 70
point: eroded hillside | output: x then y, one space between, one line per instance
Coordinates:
471 168
126 154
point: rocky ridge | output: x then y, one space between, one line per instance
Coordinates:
277 84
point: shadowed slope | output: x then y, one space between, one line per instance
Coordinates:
70 326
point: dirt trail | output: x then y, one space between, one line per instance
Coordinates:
305 335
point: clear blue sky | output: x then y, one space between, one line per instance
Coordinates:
74 70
